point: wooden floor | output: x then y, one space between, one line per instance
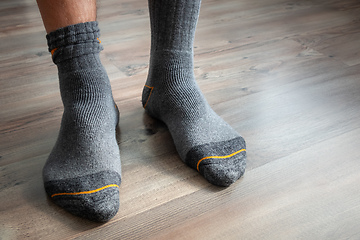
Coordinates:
284 73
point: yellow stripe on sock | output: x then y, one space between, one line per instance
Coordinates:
152 88
227 156
52 51
85 192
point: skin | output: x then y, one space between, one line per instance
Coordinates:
61 13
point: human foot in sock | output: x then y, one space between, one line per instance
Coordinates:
203 140
83 171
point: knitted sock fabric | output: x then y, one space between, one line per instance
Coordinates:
203 140
83 171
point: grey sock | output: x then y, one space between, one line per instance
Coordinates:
83 171
203 140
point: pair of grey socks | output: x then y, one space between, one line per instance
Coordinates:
83 171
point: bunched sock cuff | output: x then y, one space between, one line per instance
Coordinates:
74 41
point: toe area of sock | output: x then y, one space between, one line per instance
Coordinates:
93 196
99 207
224 174
221 163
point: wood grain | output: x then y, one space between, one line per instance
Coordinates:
285 74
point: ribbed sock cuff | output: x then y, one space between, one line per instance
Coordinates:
173 24
74 41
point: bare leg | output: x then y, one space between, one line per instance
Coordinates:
82 172
61 13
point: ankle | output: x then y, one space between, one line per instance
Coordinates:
171 58
86 62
